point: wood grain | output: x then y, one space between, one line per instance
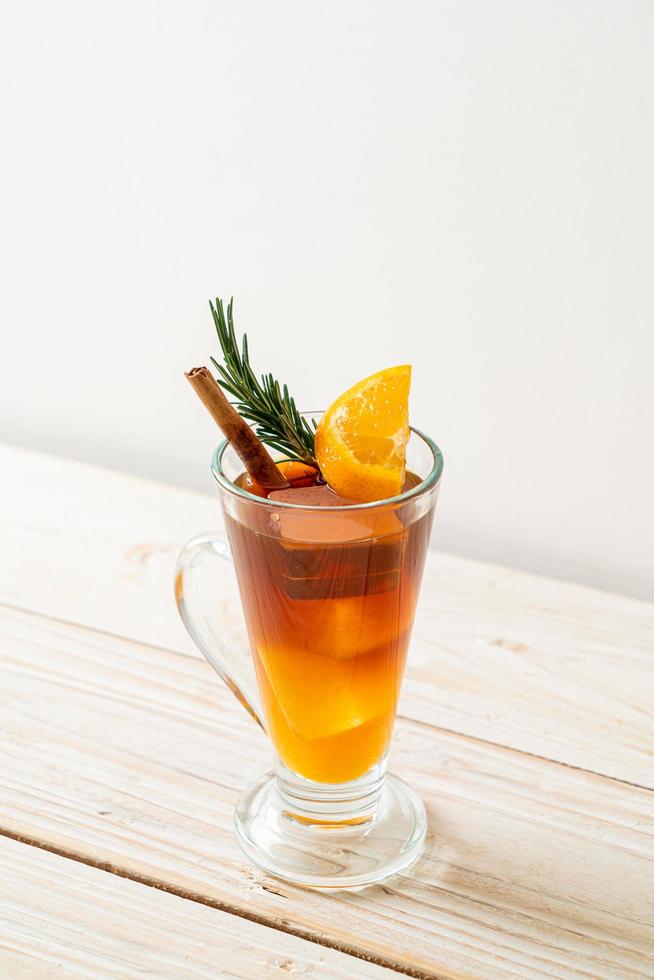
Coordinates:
528 662
60 918
132 757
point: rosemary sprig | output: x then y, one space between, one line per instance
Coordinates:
266 403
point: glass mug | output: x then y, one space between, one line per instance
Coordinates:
329 596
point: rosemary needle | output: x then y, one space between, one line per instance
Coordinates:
264 402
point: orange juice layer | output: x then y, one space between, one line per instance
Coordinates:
330 704
329 599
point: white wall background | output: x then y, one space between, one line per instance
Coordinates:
464 185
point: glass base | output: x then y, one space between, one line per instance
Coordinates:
325 847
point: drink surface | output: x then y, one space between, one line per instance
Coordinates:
329 599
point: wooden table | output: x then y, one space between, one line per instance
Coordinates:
525 723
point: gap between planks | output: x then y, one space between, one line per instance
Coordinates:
568 910
532 755
191 896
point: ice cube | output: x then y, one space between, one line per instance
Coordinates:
328 555
316 699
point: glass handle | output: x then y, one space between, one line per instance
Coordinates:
197 602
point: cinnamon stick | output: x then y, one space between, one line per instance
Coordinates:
252 452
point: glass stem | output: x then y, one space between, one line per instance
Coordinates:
339 804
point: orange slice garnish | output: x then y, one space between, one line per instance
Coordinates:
362 438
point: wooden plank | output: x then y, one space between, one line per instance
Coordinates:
532 663
543 666
133 756
95 547
60 918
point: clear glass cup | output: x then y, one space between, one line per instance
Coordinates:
329 596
